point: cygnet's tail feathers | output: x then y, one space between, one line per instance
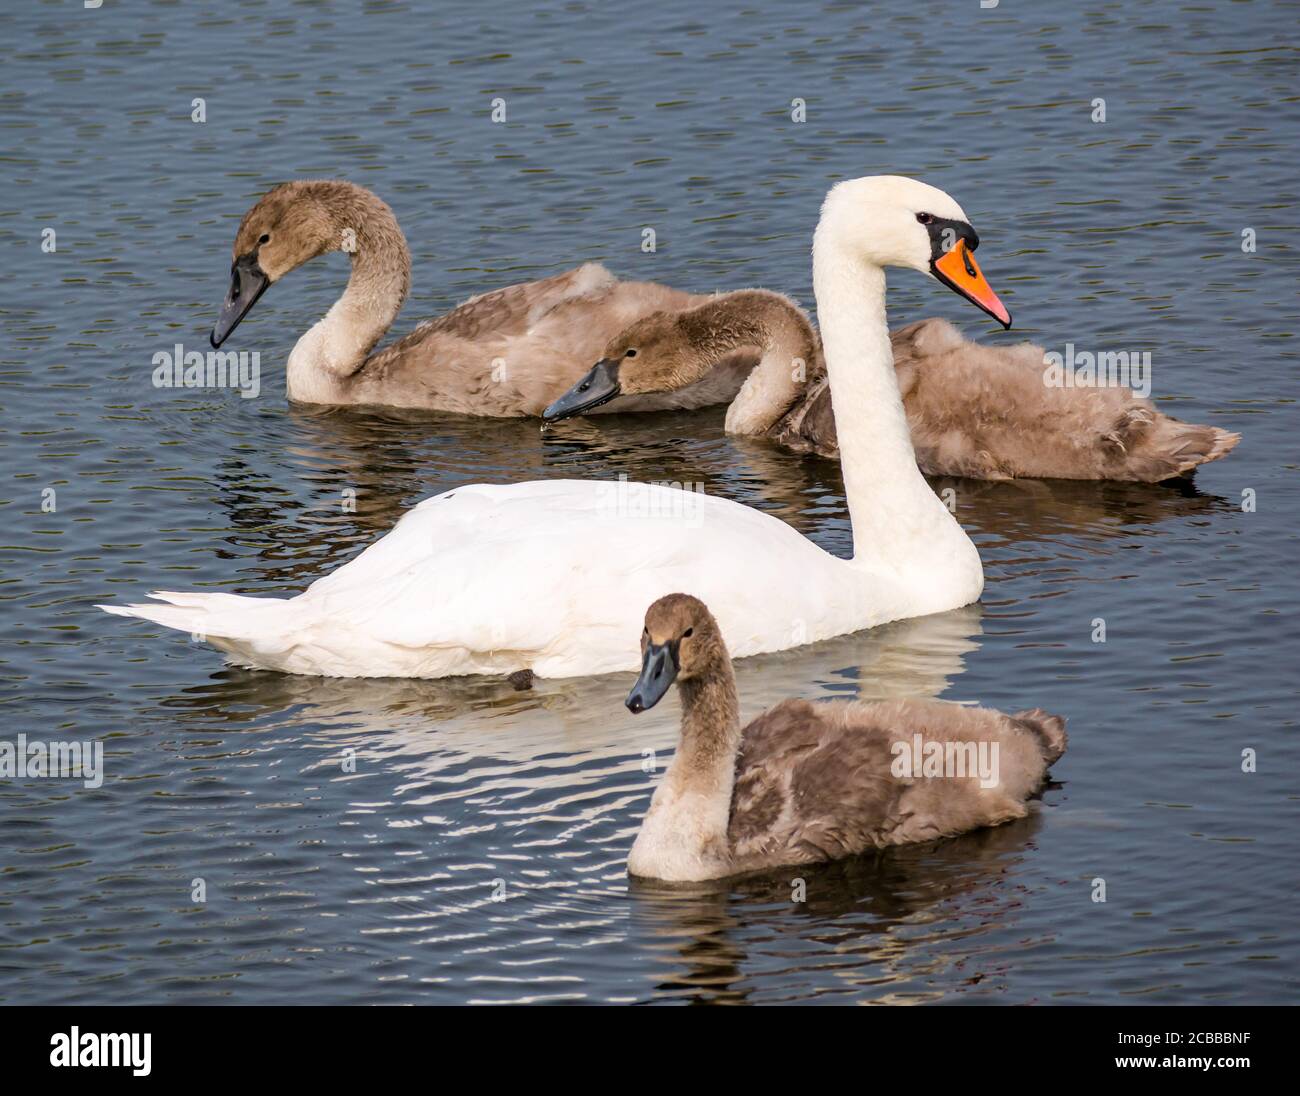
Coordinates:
1050 730
1152 447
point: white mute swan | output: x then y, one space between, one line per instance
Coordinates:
810 782
978 411
550 576
505 353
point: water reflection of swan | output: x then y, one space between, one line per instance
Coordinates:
1023 511
432 723
715 942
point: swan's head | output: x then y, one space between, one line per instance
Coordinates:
657 353
681 641
888 220
289 225
669 350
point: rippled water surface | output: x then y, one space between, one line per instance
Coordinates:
477 851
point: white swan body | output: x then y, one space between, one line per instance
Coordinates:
548 576
553 576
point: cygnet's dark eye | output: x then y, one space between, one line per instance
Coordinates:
925 218
266 238
688 633
630 354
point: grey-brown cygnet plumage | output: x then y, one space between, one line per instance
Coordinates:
983 412
504 353
809 782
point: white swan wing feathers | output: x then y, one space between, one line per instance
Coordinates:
520 567
545 575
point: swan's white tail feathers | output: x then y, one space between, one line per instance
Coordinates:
169 616
189 598
266 623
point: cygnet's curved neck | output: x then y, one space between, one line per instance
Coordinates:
338 345
756 320
684 835
790 354
703 770
706 756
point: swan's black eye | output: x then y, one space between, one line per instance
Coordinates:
688 633
925 218
630 354
266 238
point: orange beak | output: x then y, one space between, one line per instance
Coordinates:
957 270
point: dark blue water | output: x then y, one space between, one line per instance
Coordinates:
476 852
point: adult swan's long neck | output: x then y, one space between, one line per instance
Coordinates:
340 343
899 524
